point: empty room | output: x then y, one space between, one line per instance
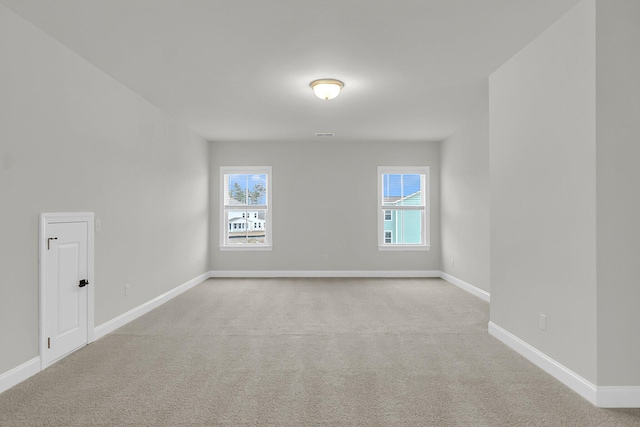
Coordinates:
376 213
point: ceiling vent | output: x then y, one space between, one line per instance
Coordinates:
324 133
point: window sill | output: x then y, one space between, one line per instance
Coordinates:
246 248
404 247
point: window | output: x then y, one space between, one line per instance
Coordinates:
246 203
403 209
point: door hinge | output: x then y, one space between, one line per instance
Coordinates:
48 342
49 242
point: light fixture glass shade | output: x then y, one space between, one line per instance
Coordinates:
326 88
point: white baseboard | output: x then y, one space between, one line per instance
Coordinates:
19 373
560 372
33 366
601 396
618 397
480 293
322 273
142 309
604 396
353 273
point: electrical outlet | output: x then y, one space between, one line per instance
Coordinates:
326 258
127 290
98 225
453 263
542 322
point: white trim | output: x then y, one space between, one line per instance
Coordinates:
405 170
62 217
245 248
618 397
480 293
560 372
223 231
134 313
322 273
20 373
604 397
353 273
397 247
425 208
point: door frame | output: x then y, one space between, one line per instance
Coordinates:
54 218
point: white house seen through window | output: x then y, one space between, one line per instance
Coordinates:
245 208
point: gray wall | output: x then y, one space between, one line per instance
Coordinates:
465 204
73 139
543 184
325 203
618 196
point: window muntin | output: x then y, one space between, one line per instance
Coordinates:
403 213
246 208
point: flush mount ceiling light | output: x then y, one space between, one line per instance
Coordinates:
326 88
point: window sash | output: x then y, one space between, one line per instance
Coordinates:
246 228
406 227
399 188
234 176
246 207
403 208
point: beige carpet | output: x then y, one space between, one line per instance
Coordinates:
336 352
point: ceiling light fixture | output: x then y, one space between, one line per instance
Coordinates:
326 88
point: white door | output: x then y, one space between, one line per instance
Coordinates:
65 288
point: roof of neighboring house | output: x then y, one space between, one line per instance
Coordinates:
396 199
240 219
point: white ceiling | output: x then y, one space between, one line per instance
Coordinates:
240 69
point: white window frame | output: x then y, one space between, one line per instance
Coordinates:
425 208
224 232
